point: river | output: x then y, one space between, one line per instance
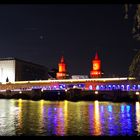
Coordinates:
65 118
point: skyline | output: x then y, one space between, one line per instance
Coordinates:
43 33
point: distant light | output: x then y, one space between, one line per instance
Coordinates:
20 100
96 92
42 90
137 93
20 92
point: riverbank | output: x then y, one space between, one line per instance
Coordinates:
72 95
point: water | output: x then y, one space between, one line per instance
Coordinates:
65 118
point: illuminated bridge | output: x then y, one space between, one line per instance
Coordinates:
124 84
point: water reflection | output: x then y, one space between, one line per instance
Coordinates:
97 123
20 113
25 117
138 117
127 119
94 119
65 116
60 120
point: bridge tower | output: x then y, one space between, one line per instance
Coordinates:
61 74
96 67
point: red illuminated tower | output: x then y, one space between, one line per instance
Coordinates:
61 69
96 67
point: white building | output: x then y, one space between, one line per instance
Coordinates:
18 70
7 70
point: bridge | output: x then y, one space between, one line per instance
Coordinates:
123 83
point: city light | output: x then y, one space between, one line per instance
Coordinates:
137 93
96 92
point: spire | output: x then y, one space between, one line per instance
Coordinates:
96 56
62 59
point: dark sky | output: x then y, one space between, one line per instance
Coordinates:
42 33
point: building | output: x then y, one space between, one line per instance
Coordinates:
13 69
96 67
61 74
79 77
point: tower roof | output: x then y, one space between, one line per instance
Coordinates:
62 59
96 56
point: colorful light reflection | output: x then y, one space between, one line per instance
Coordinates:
138 116
66 118
97 123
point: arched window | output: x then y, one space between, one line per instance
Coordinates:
109 87
138 87
90 87
122 87
128 87
134 87
97 87
113 87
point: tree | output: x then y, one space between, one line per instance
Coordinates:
134 69
133 10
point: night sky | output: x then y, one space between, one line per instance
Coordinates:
42 33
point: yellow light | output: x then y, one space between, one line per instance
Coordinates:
20 101
60 68
65 116
20 113
41 103
137 93
97 130
96 92
138 116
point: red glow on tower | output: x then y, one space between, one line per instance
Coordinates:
61 69
96 67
